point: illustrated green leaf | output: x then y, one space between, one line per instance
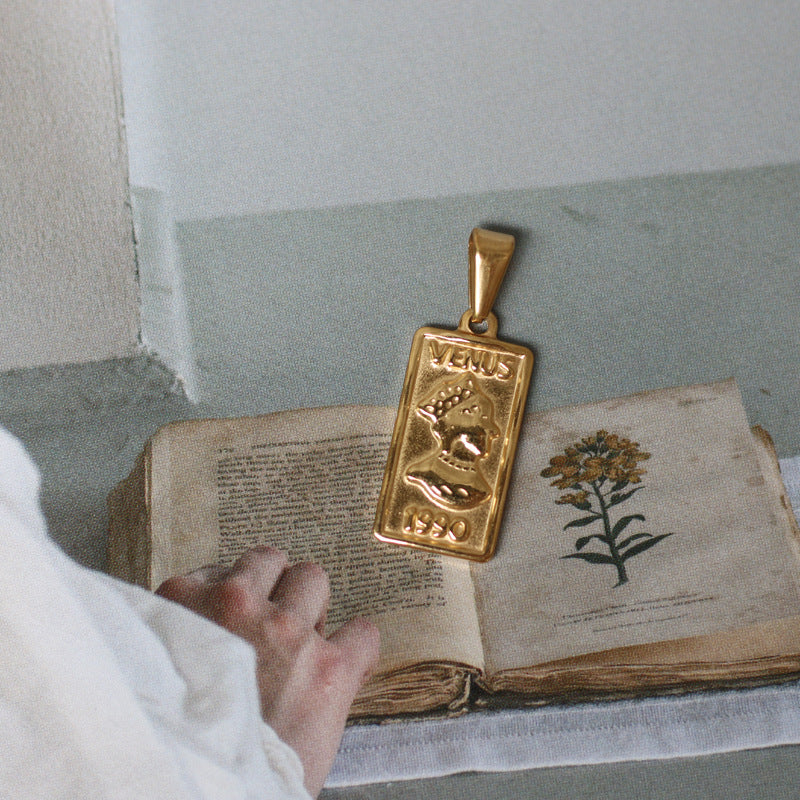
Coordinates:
579 523
633 538
624 522
592 558
584 540
619 485
642 546
615 499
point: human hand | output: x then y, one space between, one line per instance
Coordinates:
306 682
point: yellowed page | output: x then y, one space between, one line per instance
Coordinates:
129 539
307 482
763 651
726 560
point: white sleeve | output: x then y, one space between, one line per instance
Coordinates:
108 691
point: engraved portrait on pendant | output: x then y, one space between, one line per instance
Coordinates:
462 423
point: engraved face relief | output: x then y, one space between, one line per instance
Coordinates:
462 422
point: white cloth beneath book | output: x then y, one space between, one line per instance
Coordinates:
107 691
591 733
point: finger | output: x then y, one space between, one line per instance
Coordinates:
304 590
211 573
188 589
359 644
259 569
240 597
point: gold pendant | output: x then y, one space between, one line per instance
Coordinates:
457 426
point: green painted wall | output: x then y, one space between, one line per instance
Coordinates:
618 287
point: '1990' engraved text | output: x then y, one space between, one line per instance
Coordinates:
424 522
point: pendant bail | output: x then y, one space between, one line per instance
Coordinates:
489 255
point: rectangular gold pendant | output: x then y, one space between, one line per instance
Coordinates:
458 423
454 441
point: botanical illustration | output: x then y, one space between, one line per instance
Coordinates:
462 422
599 470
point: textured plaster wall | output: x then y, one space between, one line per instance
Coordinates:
248 107
68 288
619 287
306 174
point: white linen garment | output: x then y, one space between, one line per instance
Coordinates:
107 691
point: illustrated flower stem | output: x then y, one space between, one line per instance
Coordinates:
612 545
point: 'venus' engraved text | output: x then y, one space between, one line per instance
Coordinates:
470 359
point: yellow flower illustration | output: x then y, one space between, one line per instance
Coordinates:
599 469
575 499
599 457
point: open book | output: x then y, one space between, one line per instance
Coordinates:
647 546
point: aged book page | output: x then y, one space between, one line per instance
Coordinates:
726 559
307 482
754 653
